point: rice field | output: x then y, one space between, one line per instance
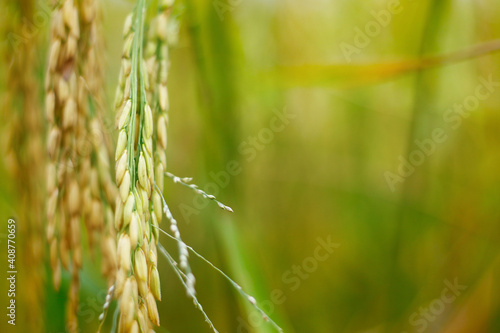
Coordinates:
250 166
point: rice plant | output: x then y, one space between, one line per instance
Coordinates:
80 190
140 168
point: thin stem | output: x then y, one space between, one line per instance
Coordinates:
180 275
142 88
194 187
249 298
106 306
136 56
183 252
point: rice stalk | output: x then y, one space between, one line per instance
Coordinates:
99 190
141 203
25 156
63 205
163 34
79 184
137 278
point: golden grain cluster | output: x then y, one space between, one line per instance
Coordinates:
79 185
140 164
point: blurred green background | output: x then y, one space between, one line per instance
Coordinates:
359 93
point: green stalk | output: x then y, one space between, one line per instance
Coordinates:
142 87
136 57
